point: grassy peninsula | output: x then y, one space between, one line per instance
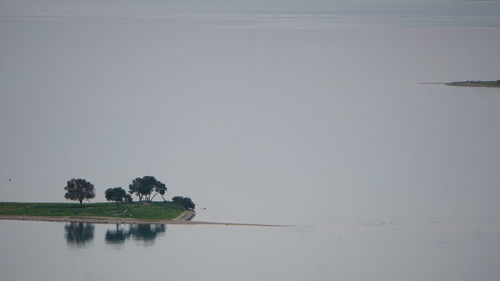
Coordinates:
123 210
489 84
139 211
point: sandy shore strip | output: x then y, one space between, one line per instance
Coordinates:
182 219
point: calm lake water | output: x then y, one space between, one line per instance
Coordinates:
59 251
309 113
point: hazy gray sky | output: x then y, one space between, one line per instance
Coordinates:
259 111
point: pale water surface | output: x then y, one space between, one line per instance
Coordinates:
289 112
59 251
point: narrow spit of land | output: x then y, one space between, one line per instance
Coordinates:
107 213
488 84
469 83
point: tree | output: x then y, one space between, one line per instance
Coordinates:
79 189
127 198
145 186
117 194
185 202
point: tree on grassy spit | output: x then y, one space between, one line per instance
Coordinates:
145 187
185 202
79 189
117 194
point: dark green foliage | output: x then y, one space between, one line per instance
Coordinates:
117 194
185 202
145 187
79 189
127 198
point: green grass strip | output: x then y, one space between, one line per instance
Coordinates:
145 211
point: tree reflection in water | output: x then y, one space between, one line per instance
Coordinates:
117 236
79 234
145 233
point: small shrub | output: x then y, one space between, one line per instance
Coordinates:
185 202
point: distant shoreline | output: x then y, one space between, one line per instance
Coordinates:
487 84
469 83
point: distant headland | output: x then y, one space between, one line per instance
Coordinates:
470 83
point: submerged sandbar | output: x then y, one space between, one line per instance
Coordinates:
104 220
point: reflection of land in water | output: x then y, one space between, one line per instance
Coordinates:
146 233
79 234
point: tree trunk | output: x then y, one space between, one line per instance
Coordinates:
153 197
81 204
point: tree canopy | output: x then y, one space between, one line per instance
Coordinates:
185 202
145 187
79 189
117 194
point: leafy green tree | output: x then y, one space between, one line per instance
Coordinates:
185 202
127 198
145 187
79 189
117 194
